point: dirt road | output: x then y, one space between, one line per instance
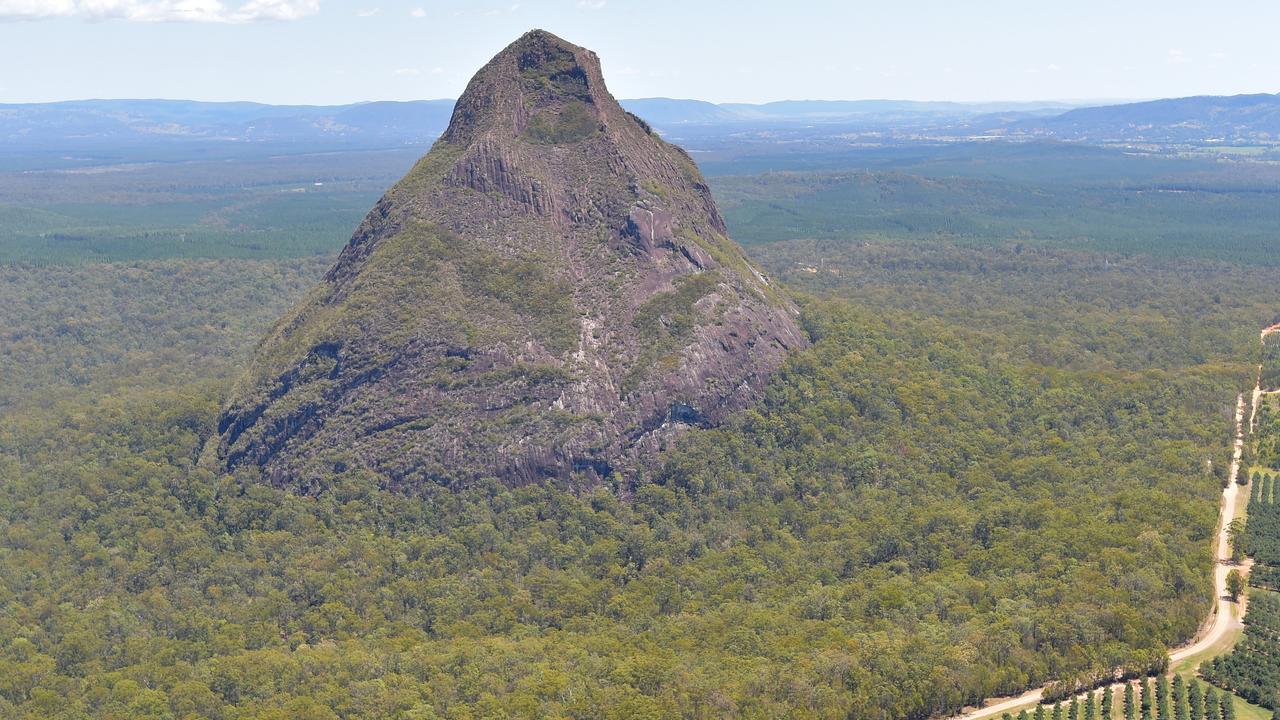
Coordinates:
1223 620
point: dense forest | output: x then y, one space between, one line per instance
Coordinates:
997 465
1270 377
920 512
1177 217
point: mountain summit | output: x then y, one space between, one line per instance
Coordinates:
549 293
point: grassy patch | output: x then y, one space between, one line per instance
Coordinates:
425 281
571 123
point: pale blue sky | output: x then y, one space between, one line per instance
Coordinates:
332 51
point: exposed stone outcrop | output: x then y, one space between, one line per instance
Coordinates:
549 293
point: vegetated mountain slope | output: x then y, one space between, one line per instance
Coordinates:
549 292
1192 119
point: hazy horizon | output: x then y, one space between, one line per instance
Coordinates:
1077 102
326 52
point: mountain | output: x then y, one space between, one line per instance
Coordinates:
662 112
1207 118
93 123
829 110
549 293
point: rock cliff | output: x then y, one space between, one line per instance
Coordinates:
550 293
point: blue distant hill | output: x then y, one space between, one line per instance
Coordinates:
1200 119
95 125
91 123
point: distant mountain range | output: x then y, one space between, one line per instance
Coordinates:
96 124
1202 119
76 124
659 111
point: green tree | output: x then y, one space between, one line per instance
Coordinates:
1129 710
1022 714
1039 713
1057 711
1073 708
1091 706
1180 710
1162 698
1235 538
1212 706
1235 584
1145 702
1107 703
1195 701
1228 706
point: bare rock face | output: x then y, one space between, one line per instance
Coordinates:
549 293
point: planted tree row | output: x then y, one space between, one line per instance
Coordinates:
1270 377
1143 663
1252 669
1263 491
1142 700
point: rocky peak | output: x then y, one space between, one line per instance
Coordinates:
538 78
548 293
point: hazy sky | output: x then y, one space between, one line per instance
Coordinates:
332 51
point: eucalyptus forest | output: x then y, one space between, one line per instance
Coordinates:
991 462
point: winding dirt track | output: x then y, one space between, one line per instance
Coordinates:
1221 620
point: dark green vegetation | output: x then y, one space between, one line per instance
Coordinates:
1167 700
1169 218
83 333
988 471
1262 534
1265 448
1252 669
918 515
160 203
1262 531
240 207
1270 377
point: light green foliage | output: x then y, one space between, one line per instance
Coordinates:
430 169
477 297
574 121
